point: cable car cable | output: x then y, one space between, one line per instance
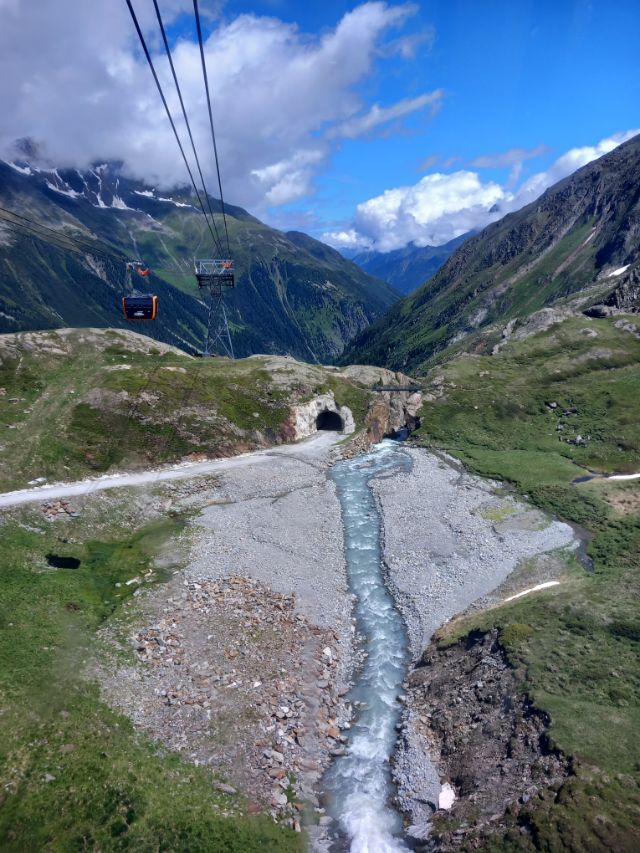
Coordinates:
213 134
53 235
167 110
186 120
59 244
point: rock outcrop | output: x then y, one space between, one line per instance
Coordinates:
392 411
491 739
625 299
304 417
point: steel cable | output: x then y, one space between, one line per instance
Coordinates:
186 121
168 112
213 134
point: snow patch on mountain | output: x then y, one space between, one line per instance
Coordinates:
68 192
120 204
24 170
173 201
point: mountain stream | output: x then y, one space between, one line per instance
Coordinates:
357 787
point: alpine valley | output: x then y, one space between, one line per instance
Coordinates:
294 295
206 642
575 246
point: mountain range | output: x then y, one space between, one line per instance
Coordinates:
574 247
62 263
407 268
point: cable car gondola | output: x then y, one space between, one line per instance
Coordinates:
143 307
138 306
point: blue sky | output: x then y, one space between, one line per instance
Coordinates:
550 75
371 124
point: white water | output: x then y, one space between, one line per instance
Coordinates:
358 785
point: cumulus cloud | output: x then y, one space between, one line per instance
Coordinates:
443 206
436 209
574 159
73 79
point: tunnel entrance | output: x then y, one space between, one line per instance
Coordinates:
329 420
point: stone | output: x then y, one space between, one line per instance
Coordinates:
226 789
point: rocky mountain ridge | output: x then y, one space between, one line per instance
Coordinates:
573 243
408 268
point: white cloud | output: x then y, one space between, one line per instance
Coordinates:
378 115
508 158
72 77
440 206
349 239
433 211
568 163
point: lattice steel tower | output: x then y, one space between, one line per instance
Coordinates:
216 276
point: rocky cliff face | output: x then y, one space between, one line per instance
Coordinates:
490 738
625 298
392 411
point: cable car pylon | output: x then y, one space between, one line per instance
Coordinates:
216 276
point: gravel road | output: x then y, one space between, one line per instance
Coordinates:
313 450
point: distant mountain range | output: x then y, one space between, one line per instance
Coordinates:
294 295
578 244
408 268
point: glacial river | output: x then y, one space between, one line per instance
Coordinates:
358 787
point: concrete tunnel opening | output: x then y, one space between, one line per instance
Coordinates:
328 420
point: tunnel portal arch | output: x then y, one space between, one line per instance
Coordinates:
330 421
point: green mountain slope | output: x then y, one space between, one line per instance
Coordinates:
81 401
572 238
288 299
540 415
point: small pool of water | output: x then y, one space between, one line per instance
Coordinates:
57 562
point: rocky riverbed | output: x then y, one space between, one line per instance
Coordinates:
242 662
450 541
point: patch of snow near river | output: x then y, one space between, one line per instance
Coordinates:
533 589
619 271
447 797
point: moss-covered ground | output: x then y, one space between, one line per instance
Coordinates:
576 646
90 402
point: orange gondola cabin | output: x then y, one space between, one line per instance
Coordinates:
140 307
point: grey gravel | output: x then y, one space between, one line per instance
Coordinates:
278 521
443 551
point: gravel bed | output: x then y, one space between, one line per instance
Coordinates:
279 522
449 539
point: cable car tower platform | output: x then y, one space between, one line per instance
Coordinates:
216 276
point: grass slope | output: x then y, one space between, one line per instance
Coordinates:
293 296
74 774
576 646
78 402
